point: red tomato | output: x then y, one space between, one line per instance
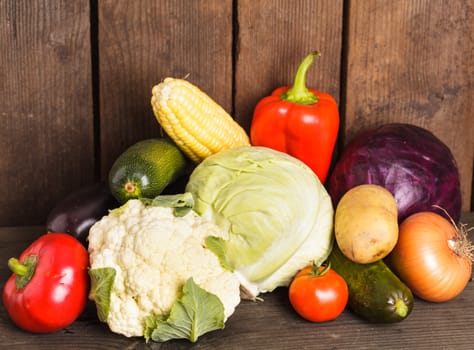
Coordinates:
318 293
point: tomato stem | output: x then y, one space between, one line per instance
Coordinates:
319 270
299 93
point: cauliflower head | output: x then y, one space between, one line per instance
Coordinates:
153 253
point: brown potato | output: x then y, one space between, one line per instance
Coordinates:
366 223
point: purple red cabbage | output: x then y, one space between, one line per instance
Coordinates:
409 161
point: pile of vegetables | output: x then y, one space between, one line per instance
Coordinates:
248 215
366 230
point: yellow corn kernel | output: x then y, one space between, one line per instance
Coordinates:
196 123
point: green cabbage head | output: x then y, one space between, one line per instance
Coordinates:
278 215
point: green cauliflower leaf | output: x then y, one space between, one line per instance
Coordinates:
197 312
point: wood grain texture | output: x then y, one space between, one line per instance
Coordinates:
384 61
270 324
273 38
141 43
46 138
412 61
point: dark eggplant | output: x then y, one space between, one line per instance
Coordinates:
76 213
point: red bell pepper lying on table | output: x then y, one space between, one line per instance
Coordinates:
50 283
301 122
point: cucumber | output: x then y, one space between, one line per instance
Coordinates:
145 169
375 293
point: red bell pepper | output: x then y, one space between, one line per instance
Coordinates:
49 286
301 122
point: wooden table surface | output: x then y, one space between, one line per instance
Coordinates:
270 324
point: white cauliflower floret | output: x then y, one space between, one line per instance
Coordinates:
153 253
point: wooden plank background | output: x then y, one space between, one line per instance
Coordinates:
141 43
413 61
76 76
46 133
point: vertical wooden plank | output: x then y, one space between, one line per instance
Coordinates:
46 138
141 43
412 61
273 37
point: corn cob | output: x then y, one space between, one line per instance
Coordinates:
196 123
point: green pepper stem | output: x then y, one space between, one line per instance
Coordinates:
17 267
299 93
24 272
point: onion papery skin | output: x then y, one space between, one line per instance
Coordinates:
425 261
